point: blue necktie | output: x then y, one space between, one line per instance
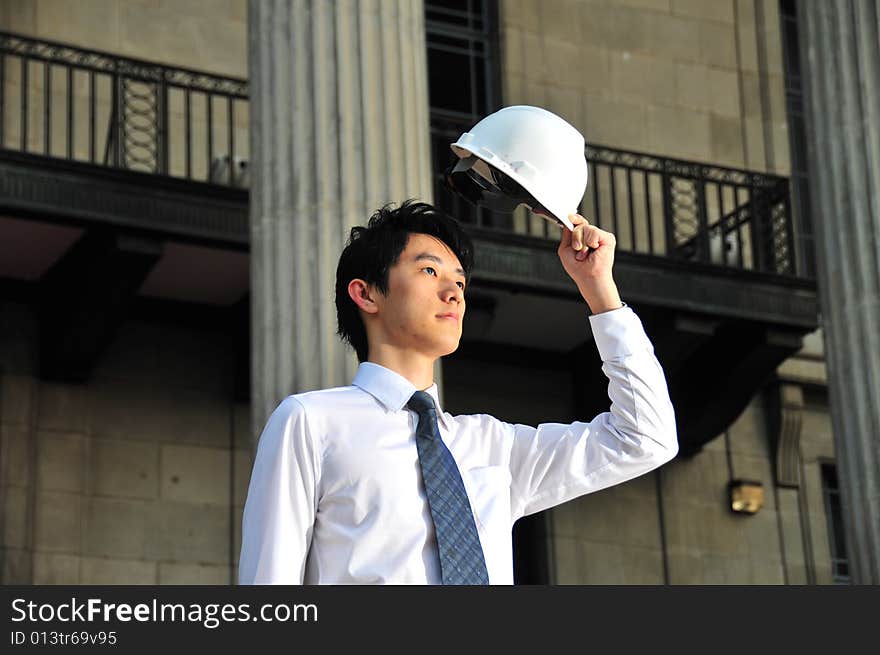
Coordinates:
461 555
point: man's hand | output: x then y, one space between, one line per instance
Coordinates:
587 255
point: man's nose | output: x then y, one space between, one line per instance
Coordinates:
453 293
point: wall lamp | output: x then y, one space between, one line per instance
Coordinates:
746 496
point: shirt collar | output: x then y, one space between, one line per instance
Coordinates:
391 389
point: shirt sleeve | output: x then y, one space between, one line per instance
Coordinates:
553 463
279 512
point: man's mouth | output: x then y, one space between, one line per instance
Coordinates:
449 315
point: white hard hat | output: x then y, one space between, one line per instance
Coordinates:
522 155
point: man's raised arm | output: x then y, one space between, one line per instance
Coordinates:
555 462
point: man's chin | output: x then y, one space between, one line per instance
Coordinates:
450 348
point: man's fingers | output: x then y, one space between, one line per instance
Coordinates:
581 224
565 239
583 235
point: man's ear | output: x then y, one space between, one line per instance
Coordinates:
361 294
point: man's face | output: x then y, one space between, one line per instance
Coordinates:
424 307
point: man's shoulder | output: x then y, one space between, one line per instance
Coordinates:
320 411
322 400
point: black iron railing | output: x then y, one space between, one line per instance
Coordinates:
60 101
692 211
659 206
83 105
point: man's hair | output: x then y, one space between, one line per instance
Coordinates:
371 251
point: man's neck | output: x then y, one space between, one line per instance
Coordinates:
415 367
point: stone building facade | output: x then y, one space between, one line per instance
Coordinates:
139 474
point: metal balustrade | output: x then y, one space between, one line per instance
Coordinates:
692 211
659 206
86 106
82 105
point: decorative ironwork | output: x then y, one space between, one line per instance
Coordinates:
782 237
121 112
685 214
139 126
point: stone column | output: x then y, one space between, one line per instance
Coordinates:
841 70
339 126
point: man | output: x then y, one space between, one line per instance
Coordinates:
373 483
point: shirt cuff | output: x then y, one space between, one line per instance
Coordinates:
618 333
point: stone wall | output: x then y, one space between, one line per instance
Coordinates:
683 78
206 35
138 476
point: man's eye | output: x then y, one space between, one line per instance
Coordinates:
429 270
460 285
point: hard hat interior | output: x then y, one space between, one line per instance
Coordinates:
466 181
483 185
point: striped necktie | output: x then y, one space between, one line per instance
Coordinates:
461 555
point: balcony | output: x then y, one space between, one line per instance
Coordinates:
136 156
94 138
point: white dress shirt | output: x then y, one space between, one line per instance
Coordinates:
336 494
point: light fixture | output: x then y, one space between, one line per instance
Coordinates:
746 496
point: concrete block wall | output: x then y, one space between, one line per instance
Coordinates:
674 525
139 476
209 36
690 79
609 537
18 452
707 543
